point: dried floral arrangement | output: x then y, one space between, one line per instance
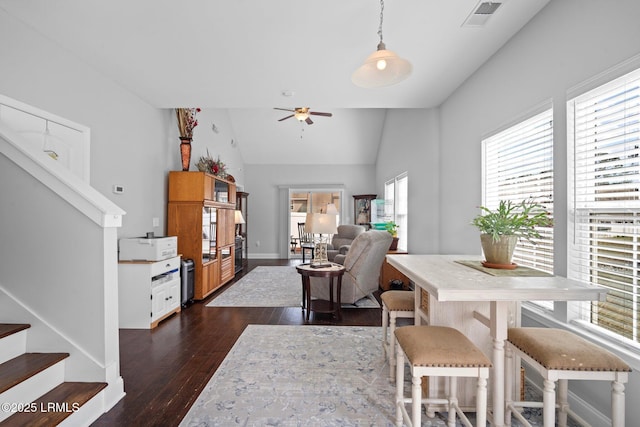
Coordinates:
187 121
213 166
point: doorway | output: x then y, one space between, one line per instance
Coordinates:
303 201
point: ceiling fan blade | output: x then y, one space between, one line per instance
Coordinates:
285 118
309 121
284 109
321 114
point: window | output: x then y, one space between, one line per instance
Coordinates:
604 239
396 206
518 165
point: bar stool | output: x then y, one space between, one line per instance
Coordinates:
395 304
438 351
560 355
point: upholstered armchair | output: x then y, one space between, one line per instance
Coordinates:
341 241
362 265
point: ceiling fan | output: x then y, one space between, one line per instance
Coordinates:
302 114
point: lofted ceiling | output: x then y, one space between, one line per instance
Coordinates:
249 56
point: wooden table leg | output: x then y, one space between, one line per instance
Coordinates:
304 294
307 286
339 290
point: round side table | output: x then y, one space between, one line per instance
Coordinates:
318 305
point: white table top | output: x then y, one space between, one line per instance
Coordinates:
448 280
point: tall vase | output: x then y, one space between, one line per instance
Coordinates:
185 152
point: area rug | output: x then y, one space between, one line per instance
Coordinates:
268 286
286 375
299 376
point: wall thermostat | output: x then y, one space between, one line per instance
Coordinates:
118 189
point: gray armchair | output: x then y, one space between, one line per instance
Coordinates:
341 241
362 262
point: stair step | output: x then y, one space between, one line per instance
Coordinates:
53 407
23 367
7 329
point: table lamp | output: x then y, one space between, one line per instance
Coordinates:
322 224
238 219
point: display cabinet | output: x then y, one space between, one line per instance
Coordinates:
201 215
362 209
242 200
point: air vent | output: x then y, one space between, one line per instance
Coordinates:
481 14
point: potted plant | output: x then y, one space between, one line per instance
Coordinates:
501 228
392 228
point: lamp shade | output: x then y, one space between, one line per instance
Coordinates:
320 224
382 68
239 219
331 209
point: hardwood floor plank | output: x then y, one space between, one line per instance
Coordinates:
165 369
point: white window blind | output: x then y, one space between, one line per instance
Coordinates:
518 165
605 248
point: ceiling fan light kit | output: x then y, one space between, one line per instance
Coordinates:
302 114
383 67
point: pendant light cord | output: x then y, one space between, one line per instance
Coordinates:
381 19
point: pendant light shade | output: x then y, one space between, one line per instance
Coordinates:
383 67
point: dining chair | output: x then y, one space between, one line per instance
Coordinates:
306 241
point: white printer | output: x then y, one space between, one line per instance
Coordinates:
148 248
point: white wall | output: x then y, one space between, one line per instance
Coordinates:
410 143
129 138
266 211
132 143
218 143
569 42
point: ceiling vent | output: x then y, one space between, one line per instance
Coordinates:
481 14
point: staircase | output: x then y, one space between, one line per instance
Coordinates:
32 387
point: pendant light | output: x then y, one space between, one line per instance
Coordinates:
383 67
47 144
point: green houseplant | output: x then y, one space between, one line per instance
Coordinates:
392 228
502 227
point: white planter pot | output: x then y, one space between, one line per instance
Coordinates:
500 251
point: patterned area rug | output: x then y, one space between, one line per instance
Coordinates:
299 376
305 376
266 286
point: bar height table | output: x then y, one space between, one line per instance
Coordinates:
447 280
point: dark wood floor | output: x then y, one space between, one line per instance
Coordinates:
165 369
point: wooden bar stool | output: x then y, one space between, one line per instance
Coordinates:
395 304
560 355
438 351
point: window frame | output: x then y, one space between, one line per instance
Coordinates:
508 175
580 206
395 203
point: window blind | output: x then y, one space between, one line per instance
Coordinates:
518 165
606 197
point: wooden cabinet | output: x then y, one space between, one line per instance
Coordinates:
210 277
148 292
200 187
201 213
389 273
227 269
